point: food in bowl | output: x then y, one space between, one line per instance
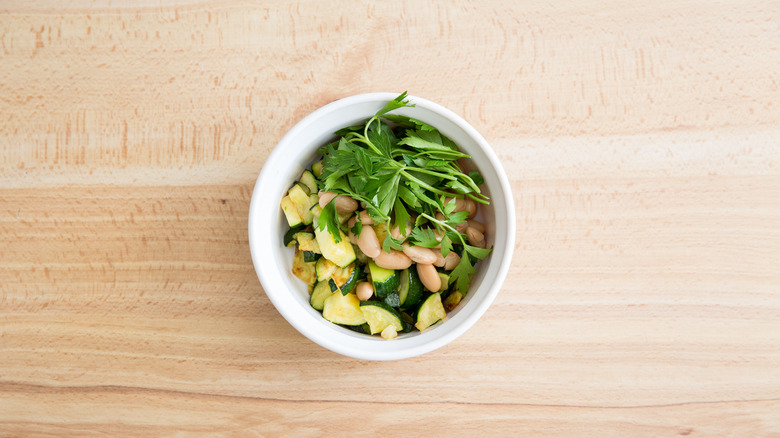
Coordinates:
385 226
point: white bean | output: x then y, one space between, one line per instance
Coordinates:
459 203
352 238
326 197
345 204
440 260
364 290
429 277
368 242
365 218
479 226
419 254
471 207
396 231
451 261
393 260
475 237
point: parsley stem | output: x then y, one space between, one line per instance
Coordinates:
365 135
444 225
480 200
454 154
431 172
367 142
423 183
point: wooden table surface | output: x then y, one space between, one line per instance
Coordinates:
642 141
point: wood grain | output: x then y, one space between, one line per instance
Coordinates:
642 142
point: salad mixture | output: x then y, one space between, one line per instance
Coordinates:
384 225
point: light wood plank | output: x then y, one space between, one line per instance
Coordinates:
642 142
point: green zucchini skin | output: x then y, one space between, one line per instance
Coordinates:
318 296
352 281
289 236
431 311
316 169
308 179
392 299
342 253
410 289
379 316
385 280
343 309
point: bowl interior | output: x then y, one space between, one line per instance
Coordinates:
295 152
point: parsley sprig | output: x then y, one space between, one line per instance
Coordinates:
403 170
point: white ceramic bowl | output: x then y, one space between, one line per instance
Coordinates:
272 260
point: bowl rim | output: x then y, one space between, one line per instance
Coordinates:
417 348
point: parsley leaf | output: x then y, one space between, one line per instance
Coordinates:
391 243
458 217
417 140
446 245
357 228
386 195
448 207
408 197
424 237
409 122
328 221
462 274
401 215
394 104
476 177
477 252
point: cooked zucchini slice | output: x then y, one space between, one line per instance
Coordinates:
320 293
392 299
343 309
431 311
346 278
325 269
316 168
302 202
303 269
362 328
361 258
304 187
291 212
452 301
445 282
309 181
381 233
307 242
407 320
342 253
314 200
289 236
343 217
379 316
410 288
310 256
385 280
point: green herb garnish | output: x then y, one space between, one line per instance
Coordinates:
402 170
